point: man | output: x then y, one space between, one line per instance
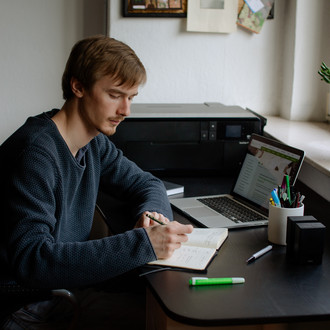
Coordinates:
53 167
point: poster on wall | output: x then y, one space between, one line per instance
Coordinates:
254 14
155 8
212 16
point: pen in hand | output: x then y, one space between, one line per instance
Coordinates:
154 219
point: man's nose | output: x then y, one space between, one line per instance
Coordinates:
125 107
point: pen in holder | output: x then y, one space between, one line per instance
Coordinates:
277 222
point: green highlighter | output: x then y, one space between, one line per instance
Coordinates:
215 281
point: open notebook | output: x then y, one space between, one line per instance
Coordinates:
198 251
264 166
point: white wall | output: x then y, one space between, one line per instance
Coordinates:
274 72
255 71
306 45
239 68
36 37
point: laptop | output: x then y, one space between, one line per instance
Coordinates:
265 165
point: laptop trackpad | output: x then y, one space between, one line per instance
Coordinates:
208 218
198 212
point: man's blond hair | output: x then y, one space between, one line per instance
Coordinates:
98 56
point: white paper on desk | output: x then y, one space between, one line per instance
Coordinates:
191 257
212 16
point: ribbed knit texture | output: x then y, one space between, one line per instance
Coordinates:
48 205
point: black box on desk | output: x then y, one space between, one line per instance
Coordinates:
305 240
309 242
290 231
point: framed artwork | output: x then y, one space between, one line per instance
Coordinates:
155 8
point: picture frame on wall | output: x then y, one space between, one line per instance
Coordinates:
155 8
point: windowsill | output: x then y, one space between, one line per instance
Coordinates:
314 139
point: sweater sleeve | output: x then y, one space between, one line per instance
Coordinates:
142 190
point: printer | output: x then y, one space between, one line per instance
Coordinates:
186 139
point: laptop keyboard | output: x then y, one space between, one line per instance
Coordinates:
232 210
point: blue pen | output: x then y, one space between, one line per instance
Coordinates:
275 198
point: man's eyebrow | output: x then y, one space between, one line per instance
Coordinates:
118 91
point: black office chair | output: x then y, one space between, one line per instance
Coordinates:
13 296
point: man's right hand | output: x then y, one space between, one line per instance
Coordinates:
167 238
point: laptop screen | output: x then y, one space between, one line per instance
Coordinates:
264 167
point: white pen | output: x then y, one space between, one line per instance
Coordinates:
259 253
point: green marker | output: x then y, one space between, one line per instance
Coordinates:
215 281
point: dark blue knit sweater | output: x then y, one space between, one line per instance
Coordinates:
48 205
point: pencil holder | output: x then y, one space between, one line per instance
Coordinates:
277 222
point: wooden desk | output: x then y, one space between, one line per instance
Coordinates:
276 294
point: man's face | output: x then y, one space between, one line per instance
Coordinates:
105 106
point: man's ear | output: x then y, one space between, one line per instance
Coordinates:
77 87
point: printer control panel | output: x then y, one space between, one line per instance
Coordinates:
230 130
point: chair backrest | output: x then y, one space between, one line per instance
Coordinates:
100 227
13 296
